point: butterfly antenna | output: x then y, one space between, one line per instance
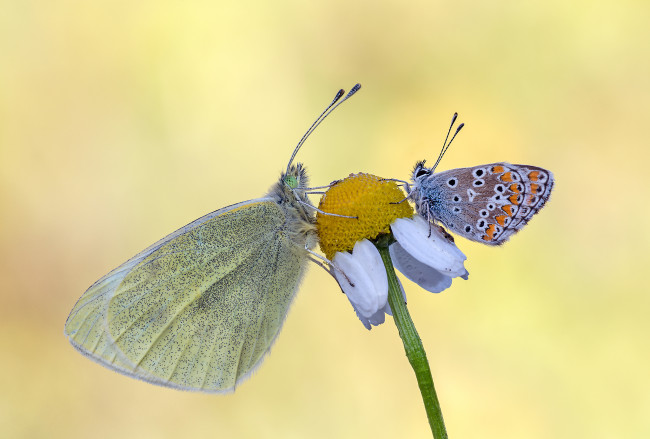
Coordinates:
445 145
331 107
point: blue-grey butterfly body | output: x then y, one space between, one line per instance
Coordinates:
486 203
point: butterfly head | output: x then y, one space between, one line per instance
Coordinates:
420 171
419 174
293 184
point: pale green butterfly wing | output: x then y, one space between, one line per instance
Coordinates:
86 324
199 309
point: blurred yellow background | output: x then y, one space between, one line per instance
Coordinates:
122 121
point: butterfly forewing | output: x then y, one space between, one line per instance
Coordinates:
486 203
187 312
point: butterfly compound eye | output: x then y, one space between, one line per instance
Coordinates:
291 181
420 170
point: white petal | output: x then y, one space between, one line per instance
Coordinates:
436 251
367 254
377 318
365 270
364 320
428 278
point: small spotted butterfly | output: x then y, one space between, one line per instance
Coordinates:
486 203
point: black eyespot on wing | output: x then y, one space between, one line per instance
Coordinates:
452 182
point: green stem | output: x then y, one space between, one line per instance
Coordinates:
413 347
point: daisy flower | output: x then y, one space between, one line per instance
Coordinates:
423 252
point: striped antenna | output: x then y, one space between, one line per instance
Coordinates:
331 107
445 145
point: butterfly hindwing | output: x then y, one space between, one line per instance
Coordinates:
486 203
187 312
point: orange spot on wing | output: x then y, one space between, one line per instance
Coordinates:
533 176
514 187
507 209
497 169
506 177
501 219
514 199
534 187
491 230
486 238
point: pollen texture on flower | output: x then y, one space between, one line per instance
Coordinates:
365 196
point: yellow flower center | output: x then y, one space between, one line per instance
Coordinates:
365 196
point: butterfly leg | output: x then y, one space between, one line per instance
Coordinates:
441 229
399 202
327 265
401 182
325 213
444 232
